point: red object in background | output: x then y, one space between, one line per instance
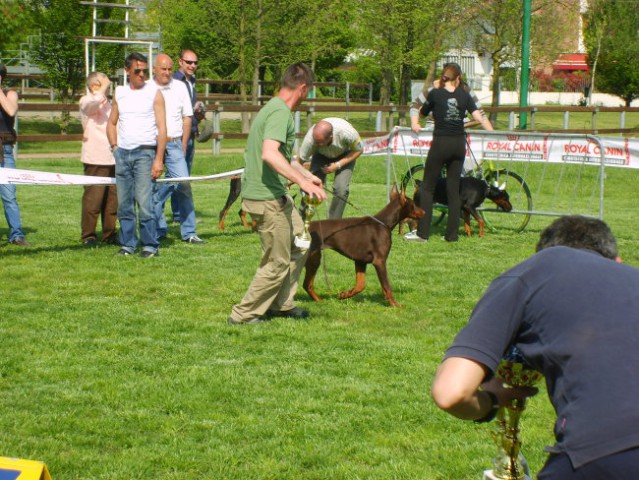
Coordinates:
571 61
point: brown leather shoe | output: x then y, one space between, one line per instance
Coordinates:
20 241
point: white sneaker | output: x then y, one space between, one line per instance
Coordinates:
413 237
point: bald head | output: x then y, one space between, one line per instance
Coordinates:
323 133
162 69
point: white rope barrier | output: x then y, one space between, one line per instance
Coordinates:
32 177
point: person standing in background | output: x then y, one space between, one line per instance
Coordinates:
137 138
178 126
186 73
97 200
8 112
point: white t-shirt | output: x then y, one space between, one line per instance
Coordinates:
136 125
177 102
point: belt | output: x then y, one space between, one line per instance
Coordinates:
173 139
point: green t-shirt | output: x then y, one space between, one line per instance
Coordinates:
273 122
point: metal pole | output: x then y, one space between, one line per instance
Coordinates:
525 63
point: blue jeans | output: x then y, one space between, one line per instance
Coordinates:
9 201
190 153
175 165
134 184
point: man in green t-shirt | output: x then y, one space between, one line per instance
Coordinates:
267 168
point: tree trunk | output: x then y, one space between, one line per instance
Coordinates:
242 66
496 87
255 93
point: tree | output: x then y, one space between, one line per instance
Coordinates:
14 24
60 52
612 35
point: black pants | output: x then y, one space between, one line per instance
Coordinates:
621 465
449 151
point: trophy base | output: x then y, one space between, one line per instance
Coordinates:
301 243
489 475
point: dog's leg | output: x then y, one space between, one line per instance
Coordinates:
466 215
235 190
312 265
382 274
360 281
480 221
242 215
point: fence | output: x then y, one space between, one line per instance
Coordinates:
545 174
386 118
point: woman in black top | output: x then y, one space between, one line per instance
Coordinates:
448 103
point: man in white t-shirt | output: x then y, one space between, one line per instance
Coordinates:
332 146
178 126
137 136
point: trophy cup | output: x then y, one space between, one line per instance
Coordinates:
303 241
510 464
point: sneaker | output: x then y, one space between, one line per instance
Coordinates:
20 241
149 254
123 252
194 239
253 321
413 237
90 242
295 312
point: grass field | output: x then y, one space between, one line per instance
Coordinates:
124 368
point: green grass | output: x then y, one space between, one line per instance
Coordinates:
124 368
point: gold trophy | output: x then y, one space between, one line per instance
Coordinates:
510 464
303 241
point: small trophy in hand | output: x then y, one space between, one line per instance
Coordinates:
510 464
303 241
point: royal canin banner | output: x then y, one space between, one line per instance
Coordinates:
516 146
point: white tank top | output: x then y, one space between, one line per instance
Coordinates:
136 126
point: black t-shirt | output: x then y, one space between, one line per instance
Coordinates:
574 315
449 110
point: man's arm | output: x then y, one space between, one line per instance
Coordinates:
456 390
272 156
112 124
335 166
187 122
160 121
306 148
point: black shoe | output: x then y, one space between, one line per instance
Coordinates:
253 321
20 241
113 240
194 239
149 254
123 252
295 312
90 242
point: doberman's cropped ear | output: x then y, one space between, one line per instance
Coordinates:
394 192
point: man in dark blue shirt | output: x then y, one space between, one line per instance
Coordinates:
188 64
572 311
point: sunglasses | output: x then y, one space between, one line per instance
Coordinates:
190 62
138 71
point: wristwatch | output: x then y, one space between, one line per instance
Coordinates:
492 413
